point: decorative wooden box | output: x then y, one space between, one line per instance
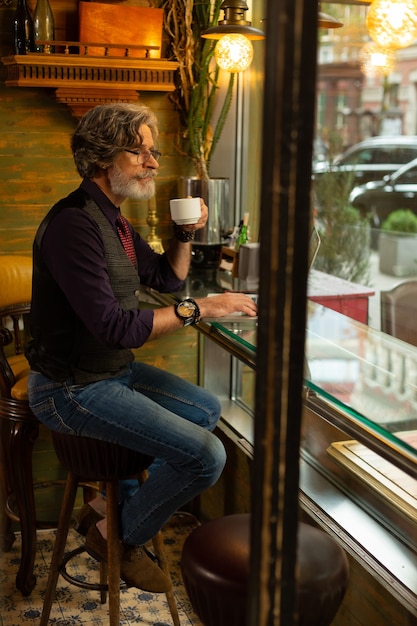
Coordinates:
121 24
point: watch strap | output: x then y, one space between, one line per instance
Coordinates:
184 235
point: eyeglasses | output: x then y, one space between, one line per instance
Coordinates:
145 155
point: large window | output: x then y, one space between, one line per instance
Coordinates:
354 105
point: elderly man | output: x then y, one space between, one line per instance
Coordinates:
88 263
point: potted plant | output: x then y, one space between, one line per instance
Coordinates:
398 244
198 78
345 235
197 94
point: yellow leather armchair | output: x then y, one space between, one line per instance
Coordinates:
15 297
19 427
16 280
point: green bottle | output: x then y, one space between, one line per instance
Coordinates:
243 234
23 29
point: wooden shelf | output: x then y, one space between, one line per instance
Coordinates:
229 260
82 80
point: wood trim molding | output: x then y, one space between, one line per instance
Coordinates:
82 81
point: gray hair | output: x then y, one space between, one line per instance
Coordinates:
105 131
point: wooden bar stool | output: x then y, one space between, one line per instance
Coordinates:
19 427
215 570
92 460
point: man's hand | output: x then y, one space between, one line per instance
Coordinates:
225 304
165 319
201 222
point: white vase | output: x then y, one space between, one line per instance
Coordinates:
398 254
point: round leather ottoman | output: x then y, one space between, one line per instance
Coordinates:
215 570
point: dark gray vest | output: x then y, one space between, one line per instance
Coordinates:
62 347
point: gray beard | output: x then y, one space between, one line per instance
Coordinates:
137 188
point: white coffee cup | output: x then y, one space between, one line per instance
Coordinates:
185 210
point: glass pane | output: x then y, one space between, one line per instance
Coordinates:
367 373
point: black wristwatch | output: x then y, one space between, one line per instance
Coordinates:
187 310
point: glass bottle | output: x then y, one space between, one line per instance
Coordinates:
243 234
23 29
43 25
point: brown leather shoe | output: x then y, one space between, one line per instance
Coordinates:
136 568
87 516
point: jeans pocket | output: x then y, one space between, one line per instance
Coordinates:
46 412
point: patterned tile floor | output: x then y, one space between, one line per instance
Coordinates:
74 606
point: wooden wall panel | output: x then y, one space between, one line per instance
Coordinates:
37 169
36 166
232 492
177 353
367 602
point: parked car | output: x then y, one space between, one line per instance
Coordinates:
372 158
320 151
379 198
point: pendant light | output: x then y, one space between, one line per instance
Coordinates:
393 23
234 53
234 50
376 60
233 22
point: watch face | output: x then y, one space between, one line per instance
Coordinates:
186 309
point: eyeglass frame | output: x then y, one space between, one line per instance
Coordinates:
145 154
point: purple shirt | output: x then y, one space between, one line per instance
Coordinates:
73 250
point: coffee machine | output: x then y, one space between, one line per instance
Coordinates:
207 245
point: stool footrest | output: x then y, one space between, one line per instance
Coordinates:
76 581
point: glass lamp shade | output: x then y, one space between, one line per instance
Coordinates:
234 53
393 23
375 60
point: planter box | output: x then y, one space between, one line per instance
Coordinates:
398 254
120 24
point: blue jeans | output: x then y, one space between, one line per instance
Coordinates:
153 412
